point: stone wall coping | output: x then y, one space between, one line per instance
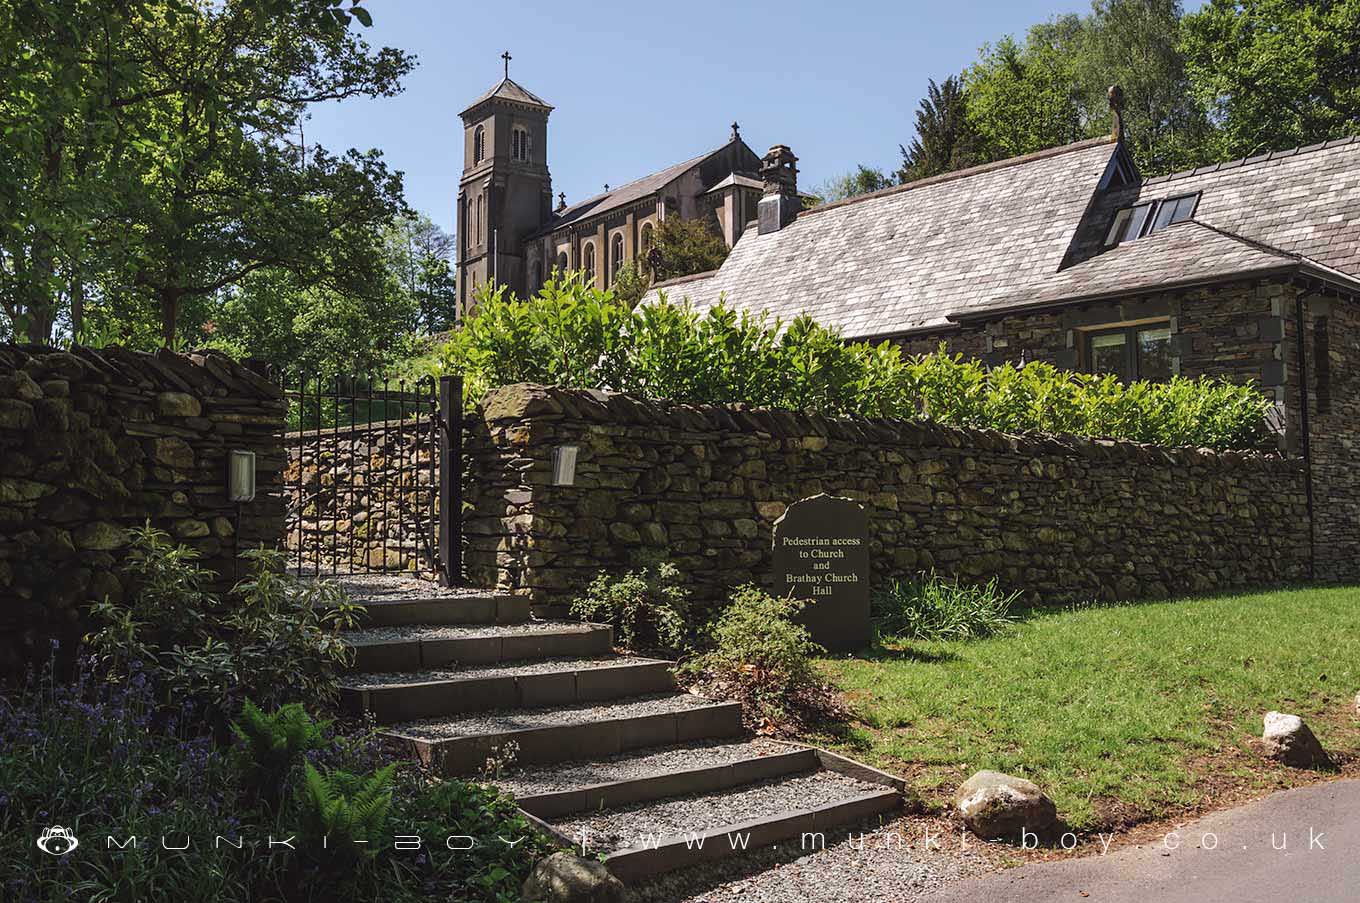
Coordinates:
532 402
205 373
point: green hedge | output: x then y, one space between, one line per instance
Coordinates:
573 335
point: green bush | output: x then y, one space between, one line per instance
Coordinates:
931 607
762 657
113 759
574 335
272 744
274 639
647 607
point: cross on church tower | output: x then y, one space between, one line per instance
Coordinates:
506 56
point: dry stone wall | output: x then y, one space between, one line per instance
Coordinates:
93 443
1061 518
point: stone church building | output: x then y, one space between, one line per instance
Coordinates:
511 233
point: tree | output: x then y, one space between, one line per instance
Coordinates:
861 180
945 138
419 253
630 284
683 247
1023 97
161 152
1275 73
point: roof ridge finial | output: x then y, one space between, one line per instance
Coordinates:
1116 96
507 57
736 131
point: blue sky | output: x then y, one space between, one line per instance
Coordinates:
640 85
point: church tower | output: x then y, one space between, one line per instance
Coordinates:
505 193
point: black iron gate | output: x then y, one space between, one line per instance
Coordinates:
373 475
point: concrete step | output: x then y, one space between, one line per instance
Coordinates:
414 647
563 733
794 795
552 792
480 609
407 696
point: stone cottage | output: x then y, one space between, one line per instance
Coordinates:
1248 270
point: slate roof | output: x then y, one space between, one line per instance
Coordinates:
511 90
961 246
625 194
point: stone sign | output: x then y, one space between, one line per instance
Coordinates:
821 554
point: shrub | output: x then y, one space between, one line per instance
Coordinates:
931 607
274 639
111 759
272 744
574 335
646 607
763 658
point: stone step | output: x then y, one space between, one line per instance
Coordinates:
414 647
646 839
563 733
480 609
407 696
555 791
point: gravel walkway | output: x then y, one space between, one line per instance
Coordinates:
869 863
615 829
510 669
370 635
627 766
395 587
520 719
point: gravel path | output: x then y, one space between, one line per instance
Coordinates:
394 587
615 829
869 863
370 635
627 766
510 669
520 719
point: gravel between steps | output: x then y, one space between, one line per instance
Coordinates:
627 766
520 719
629 826
371 635
510 669
394 587
868 863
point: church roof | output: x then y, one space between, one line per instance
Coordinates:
628 193
1030 232
511 90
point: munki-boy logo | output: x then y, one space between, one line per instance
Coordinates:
57 840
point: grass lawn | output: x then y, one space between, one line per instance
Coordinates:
1122 713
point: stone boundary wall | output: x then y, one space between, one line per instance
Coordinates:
1061 518
95 442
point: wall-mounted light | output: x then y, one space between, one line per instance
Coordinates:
564 465
241 475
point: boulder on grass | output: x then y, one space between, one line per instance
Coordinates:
1289 740
564 878
995 805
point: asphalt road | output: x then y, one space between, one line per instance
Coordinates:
1245 866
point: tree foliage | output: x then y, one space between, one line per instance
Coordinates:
945 137
683 247
861 180
1275 73
155 153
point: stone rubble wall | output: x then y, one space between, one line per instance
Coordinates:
1060 518
93 443
367 499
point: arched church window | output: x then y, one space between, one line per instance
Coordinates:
562 261
588 260
536 277
478 144
615 255
519 144
481 214
645 241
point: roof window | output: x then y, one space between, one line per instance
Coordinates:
1150 216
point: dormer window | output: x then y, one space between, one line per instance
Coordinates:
519 144
1150 216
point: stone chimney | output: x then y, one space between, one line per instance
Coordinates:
1116 95
779 172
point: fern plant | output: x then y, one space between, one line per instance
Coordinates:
343 815
272 744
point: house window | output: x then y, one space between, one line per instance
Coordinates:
519 145
1131 352
478 144
615 256
588 260
1150 216
561 261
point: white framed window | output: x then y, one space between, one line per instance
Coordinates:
588 260
1174 210
1150 216
519 144
615 255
